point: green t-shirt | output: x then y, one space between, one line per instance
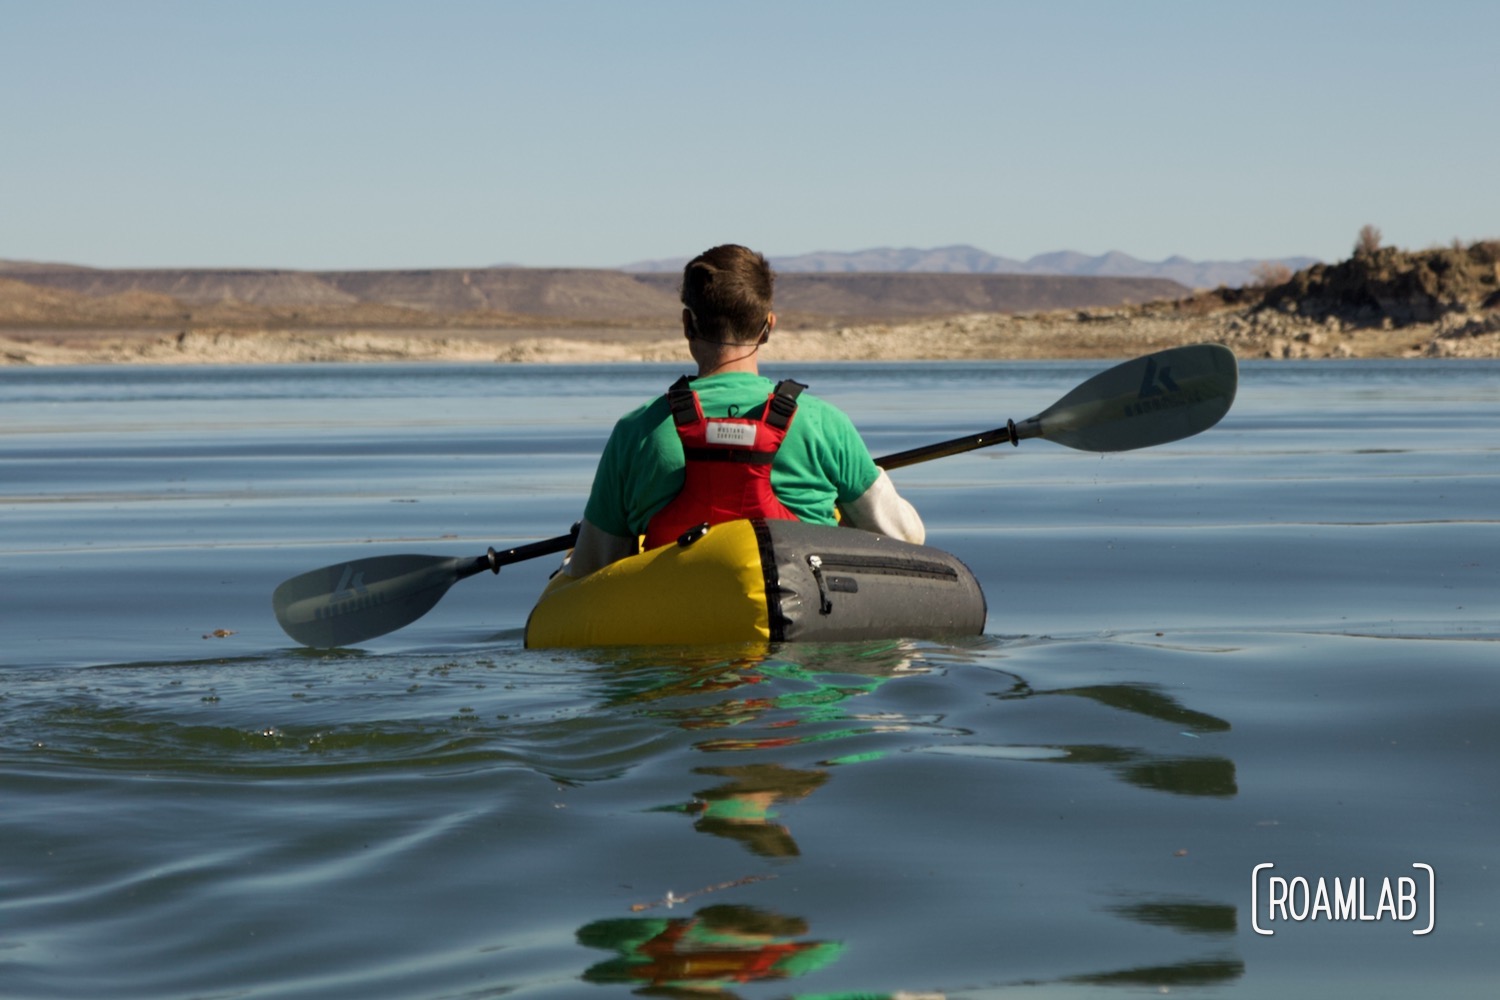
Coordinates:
822 462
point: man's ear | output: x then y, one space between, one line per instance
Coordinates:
770 325
687 323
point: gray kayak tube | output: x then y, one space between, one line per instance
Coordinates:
839 584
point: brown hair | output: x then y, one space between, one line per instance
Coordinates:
728 291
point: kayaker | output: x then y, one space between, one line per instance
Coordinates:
731 419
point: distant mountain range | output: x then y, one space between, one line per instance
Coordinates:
50 296
972 260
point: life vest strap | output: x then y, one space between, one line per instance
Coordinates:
778 412
783 403
684 403
725 455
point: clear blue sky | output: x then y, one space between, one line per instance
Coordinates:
449 133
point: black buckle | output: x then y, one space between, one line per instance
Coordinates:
783 403
691 535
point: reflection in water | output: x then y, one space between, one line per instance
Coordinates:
1179 775
706 953
1213 972
642 675
1205 775
743 807
1143 699
810 708
1185 775
639 674
801 705
778 703
719 946
803 702
1211 776
1188 916
1139 699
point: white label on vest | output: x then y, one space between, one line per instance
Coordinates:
737 435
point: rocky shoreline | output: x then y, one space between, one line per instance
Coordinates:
1103 333
1381 303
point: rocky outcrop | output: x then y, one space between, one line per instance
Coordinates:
1385 286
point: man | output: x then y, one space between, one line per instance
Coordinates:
727 444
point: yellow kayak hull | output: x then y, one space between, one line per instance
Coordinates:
762 581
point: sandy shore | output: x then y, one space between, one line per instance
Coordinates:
1100 333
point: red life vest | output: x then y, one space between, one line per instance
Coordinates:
728 463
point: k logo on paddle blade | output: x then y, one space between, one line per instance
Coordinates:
351 584
1157 381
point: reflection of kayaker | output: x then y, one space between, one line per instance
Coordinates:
743 808
716 946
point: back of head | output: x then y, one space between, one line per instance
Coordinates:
728 291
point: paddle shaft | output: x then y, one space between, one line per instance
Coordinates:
1012 432
493 559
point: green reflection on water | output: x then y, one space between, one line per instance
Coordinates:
705 953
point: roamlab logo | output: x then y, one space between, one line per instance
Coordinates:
1407 899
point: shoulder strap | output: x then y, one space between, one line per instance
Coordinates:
684 402
783 403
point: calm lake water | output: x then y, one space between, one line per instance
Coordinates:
1277 643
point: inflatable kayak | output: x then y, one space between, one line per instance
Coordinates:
770 581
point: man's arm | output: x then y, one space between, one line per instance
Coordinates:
882 510
594 549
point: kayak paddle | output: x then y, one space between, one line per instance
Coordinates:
354 601
1147 401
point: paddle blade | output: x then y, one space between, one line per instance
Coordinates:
1147 401
350 602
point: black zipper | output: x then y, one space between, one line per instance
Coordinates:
926 569
886 566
